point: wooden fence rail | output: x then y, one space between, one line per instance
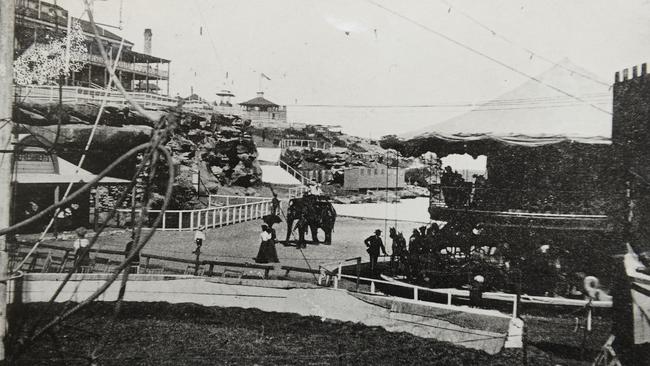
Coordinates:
211 217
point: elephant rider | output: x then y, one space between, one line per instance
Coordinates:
373 245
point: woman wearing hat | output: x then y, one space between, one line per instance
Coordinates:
81 252
373 245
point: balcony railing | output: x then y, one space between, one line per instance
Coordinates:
73 94
540 201
142 69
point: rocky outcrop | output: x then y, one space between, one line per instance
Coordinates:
219 148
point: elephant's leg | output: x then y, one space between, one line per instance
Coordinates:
301 235
328 235
289 229
314 233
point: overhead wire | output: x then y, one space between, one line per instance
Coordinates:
484 55
526 49
524 103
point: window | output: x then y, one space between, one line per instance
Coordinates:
376 171
361 171
369 171
383 171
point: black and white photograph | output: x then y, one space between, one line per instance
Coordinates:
325 182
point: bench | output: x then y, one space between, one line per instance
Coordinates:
288 269
265 267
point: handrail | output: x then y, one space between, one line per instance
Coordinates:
296 174
286 143
84 94
416 289
209 217
68 249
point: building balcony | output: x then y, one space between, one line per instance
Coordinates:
153 71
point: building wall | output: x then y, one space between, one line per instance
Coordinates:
378 177
259 117
631 143
320 176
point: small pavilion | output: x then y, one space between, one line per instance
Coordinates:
260 104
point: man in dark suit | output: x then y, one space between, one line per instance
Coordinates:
374 244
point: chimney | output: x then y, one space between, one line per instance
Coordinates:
260 93
147 41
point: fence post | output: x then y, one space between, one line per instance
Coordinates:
227 215
415 293
163 220
340 269
191 220
448 298
240 213
372 287
358 271
206 218
180 220
214 217
220 217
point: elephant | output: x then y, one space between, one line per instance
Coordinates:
311 212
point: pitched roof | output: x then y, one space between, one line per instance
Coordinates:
67 173
534 114
259 102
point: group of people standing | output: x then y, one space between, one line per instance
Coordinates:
423 241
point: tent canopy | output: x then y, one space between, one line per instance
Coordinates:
535 114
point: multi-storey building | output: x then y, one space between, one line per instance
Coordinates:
138 72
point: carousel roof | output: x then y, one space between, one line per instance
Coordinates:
536 113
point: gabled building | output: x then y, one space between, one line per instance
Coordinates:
40 179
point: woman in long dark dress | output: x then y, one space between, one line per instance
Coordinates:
266 253
272 253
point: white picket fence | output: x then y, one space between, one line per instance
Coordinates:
223 210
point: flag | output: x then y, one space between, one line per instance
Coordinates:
265 77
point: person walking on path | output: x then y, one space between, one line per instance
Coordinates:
373 245
199 238
129 248
275 204
267 252
81 252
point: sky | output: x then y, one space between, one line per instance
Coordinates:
365 64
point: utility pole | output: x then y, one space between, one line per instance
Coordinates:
7 19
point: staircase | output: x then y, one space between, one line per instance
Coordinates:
275 171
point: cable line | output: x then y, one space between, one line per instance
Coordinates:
526 49
484 55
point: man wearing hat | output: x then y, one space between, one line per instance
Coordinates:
373 245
